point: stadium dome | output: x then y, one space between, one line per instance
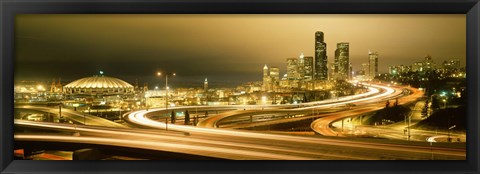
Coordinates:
98 85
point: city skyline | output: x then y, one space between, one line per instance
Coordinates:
72 46
126 87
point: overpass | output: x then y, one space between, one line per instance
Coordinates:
238 145
76 117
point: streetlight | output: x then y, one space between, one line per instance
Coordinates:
444 103
166 87
449 129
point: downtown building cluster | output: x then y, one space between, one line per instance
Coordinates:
314 72
448 68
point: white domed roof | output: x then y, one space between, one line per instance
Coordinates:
98 82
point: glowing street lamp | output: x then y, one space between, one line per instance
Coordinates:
166 87
444 103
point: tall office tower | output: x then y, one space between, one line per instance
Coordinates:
342 62
365 67
372 64
205 85
321 70
308 68
275 73
331 71
265 78
301 66
292 68
293 76
275 77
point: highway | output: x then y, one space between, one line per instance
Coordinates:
239 145
374 95
373 92
323 125
74 116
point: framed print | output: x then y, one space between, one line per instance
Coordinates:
215 86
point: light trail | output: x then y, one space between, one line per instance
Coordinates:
231 144
322 125
257 142
138 117
163 146
75 116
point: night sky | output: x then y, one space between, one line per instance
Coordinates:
224 48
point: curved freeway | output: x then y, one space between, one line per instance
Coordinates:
323 125
77 117
237 144
374 95
374 92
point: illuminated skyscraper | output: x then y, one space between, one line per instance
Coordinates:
342 62
372 64
365 68
308 67
301 66
271 78
275 73
292 68
275 77
266 78
321 70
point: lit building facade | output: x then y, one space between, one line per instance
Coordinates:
301 65
292 69
397 70
342 62
275 77
321 70
451 64
372 64
98 85
423 66
271 78
308 68
275 73
56 87
266 79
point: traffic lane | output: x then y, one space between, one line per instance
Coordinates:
164 146
322 125
204 142
212 122
76 116
211 131
288 141
307 151
388 92
416 135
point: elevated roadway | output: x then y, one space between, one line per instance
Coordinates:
74 116
238 145
323 125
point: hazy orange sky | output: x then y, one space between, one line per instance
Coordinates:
222 46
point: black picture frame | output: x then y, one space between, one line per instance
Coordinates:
9 8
